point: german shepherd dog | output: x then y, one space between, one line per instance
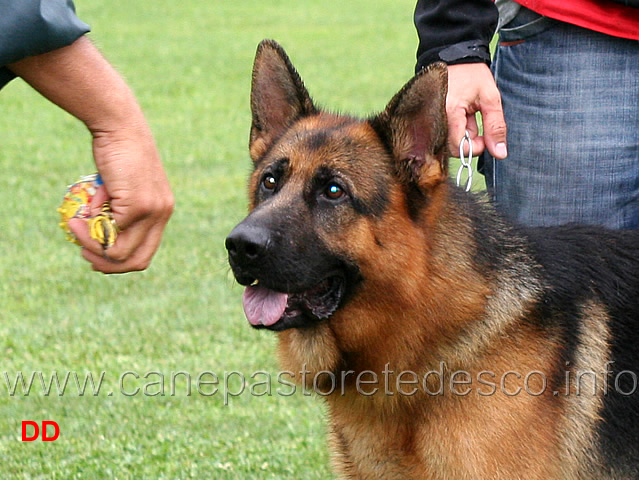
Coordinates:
447 342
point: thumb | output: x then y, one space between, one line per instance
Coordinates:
495 133
80 228
98 199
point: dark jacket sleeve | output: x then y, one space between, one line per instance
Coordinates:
33 27
454 31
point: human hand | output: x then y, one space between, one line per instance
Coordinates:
472 89
140 197
82 82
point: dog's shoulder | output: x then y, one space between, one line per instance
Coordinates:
589 259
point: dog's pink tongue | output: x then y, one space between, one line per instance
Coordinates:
263 306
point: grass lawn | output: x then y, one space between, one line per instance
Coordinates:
189 64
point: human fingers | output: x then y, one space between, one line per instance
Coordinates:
80 227
495 130
471 91
110 261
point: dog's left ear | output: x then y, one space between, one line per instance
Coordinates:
414 127
278 97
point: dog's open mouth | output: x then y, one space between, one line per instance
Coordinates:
266 308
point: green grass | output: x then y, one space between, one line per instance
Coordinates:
189 64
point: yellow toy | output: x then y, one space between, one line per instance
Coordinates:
75 204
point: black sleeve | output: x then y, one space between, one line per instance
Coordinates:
33 27
454 31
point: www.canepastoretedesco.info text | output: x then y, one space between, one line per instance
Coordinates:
231 384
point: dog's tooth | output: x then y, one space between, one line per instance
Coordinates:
255 283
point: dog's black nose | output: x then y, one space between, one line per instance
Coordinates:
247 244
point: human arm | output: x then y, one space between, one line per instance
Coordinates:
79 80
458 32
33 27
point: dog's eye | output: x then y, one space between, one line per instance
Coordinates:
334 191
269 182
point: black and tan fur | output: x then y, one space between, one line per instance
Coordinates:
423 277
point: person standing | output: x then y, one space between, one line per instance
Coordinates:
560 110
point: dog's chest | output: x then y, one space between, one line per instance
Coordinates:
449 441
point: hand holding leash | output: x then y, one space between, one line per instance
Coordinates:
471 90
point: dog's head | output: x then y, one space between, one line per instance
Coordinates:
327 193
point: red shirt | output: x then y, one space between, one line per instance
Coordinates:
603 16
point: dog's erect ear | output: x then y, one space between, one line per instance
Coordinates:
415 129
278 97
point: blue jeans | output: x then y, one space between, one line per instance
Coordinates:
571 103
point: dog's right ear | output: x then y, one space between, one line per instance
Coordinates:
278 97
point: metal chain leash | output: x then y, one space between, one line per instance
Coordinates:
466 161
